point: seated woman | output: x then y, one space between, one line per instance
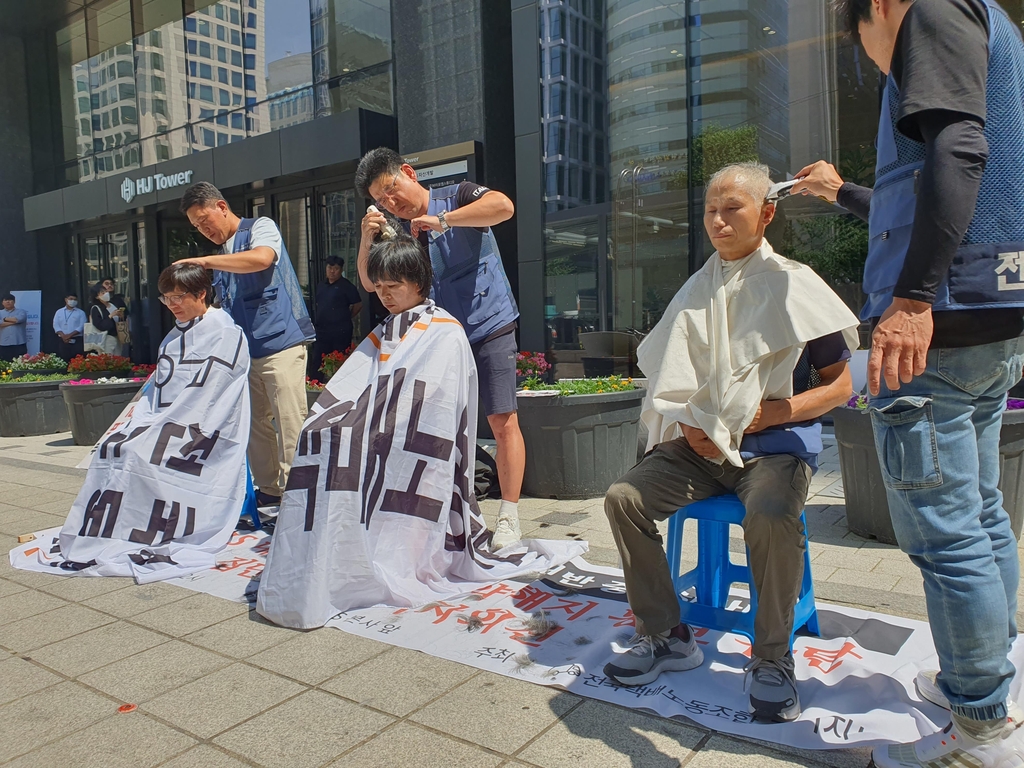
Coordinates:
380 506
167 481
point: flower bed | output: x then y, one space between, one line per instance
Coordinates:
42 362
99 366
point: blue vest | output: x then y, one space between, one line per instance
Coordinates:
266 305
988 269
469 278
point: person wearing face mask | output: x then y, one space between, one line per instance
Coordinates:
256 284
12 330
104 316
69 325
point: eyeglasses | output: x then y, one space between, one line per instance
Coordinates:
388 195
173 300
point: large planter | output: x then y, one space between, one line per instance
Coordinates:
867 507
39 372
92 375
92 408
32 408
312 397
577 446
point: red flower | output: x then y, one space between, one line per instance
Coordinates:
102 362
331 362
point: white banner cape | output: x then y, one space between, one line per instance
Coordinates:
380 507
166 485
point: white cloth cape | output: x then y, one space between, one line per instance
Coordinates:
722 348
380 504
165 487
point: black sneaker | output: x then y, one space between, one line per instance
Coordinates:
773 696
675 650
266 500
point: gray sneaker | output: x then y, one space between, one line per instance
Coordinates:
773 696
675 650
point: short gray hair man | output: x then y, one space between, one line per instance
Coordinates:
755 178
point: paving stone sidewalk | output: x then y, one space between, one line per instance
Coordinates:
218 687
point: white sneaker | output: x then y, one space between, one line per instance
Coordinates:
506 532
950 748
928 687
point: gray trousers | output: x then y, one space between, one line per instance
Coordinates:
773 490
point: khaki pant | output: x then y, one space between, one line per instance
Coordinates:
277 387
772 488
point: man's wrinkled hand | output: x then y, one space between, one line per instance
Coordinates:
769 414
702 444
899 344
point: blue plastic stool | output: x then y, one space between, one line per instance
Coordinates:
249 505
715 572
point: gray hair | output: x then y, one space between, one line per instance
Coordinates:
754 178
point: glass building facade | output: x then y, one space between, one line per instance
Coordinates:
641 101
146 81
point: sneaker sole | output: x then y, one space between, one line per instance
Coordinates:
773 711
683 664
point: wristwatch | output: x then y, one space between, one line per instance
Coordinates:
445 226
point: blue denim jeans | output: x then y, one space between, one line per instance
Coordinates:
938 445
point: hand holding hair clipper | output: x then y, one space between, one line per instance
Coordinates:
387 232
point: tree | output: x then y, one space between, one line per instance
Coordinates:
716 147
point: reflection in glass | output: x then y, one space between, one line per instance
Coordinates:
341 234
570 281
293 220
663 95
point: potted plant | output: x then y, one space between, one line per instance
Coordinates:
332 361
100 366
532 365
580 435
41 364
31 404
313 390
867 507
93 404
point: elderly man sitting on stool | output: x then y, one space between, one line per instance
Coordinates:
751 351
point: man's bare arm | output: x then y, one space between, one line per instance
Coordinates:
836 389
242 263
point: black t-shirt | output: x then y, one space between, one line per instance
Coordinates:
334 302
940 65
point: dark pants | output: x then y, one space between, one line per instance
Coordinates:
11 351
772 488
70 349
324 345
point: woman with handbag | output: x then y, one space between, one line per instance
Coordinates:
101 330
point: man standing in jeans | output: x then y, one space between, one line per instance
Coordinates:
945 288
257 286
454 224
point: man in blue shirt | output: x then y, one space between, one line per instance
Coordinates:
454 224
12 330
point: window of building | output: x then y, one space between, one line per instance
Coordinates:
222 32
575 67
236 58
250 41
225 98
222 54
192 46
556 61
558 98
556 17
203 27
209 138
574 104
206 93
236 79
585 185
205 72
236 38
222 75
237 121
157 84
250 61
204 50
250 83
205 114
